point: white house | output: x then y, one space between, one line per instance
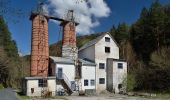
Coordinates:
97 68
72 78
39 86
99 51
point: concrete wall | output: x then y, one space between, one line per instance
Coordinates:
33 83
115 75
100 49
119 75
88 73
101 56
88 53
100 73
109 75
68 70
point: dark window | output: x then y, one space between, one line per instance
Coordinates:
42 83
101 65
120 65
101 81
119 86
107 39
92 82
107 49
85 82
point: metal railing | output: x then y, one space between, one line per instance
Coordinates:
61 76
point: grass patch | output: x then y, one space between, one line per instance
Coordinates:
59 97
1 87
22 97
163 95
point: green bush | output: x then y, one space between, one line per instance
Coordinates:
131 82
1 86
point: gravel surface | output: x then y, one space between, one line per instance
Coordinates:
115 97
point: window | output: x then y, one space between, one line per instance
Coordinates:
119 86
107 49
42 83
85 82
92 82
120 65
107 39
101 81
101 65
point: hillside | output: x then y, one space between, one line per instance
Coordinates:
145 45
55 49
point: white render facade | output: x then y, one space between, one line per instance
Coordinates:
100 69
67 67
33 86
99 50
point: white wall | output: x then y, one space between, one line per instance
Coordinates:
119 75
100 73
101 57
37 90
88 53
88 73
68 70
100 49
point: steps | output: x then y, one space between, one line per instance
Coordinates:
62 78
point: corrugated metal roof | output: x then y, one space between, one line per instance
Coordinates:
62 60
94 41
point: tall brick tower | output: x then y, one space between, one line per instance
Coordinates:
69 48
39 43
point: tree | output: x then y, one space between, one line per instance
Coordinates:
121 33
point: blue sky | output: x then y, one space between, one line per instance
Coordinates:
127 11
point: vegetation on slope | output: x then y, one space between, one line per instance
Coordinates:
146 47
12 67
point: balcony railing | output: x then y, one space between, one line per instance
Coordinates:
62 76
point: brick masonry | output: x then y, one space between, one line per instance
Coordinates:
39 46
69 40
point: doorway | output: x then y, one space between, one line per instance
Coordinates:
60 73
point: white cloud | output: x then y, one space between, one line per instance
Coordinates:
86 13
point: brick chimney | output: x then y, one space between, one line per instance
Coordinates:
69 48
69 40
39 43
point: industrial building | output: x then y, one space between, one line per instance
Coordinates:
94 67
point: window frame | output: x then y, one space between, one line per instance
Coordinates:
92 82
107 49
101 67
120 67
101 79
107 39
85 82
42 82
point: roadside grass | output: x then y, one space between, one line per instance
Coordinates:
22 97
163 95
1 87
59 97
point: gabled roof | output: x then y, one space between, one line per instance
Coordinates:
62 60
94 41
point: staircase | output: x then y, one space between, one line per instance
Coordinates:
62 78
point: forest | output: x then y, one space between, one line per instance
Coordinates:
145 45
